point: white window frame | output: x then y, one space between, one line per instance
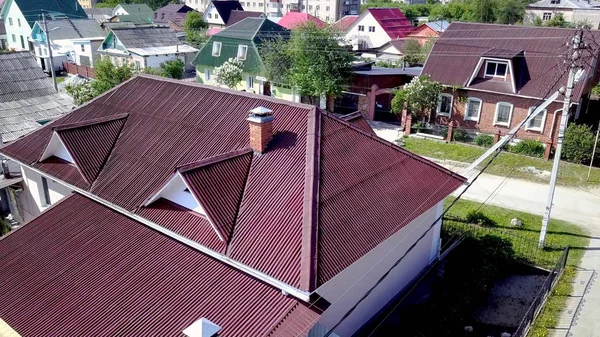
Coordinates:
546 16
250 82
541 128
361 28
470 118
485 74
512 108
19 22
206 74
371 29
216 16
10 22
438 112
210 15
218 52
245 49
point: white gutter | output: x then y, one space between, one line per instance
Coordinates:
284 287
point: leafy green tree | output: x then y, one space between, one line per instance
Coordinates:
578 144
509 11
107 77
229 73
4 227
537 21
414 53
481 11
319 64
557 21
195 29
172 69
419 96
277 60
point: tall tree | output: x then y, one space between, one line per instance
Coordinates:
172 69
195 29
419 96
319 64
414 53
509 11
277 60
107 77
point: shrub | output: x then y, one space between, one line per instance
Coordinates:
478 218
4 227
460 135
578 144
484 140
529 147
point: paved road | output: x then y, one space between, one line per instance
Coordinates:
577 205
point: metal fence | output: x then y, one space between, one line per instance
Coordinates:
84 71
538 302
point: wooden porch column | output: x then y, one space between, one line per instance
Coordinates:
372 95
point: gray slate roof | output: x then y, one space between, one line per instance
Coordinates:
144 37
80 28
439 25
566 4
26 96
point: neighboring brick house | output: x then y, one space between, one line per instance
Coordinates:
428 31
495 74
574 11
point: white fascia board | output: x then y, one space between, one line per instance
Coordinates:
284 287
475 71
160 192
53 145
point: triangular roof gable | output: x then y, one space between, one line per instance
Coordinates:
87 145
107 43
224 8
210 194
31 9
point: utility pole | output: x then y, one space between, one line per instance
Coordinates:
564 118
52 73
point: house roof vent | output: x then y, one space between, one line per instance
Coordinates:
202 328
261 111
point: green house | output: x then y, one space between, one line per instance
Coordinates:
242 40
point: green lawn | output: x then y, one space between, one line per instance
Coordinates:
524 239
569 174
560 233
60 79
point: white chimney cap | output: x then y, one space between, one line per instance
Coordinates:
202 328
261 111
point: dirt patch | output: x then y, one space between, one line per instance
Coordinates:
509 299
541 174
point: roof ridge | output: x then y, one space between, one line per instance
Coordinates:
395 147
310 214
213 160
89 122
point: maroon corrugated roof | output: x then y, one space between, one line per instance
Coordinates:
382 190
219 187
345 22
293 19
274 225
357 119
393 22
81 269
239 15
462 45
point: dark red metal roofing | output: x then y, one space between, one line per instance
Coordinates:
239 15
275 224
63 170
462 45
90 145
219 187
345 22
393 22
357 119
81 269
293 19
382 190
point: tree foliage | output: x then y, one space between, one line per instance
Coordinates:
557 21
229 73
419 96
578 144
195 29
414 53
312 60
172 69
107 77
154 4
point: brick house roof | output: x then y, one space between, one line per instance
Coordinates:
299 213
393 22
293 19
97 272
173 12
537 55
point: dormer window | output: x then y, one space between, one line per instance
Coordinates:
242 51
216 49
495 69
555 2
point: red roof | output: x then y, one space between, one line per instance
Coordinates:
537 54
345 22
357 119
82 269
293 19
393 22
278 212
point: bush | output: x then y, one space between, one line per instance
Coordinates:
478 218
460 135
484 140
578 144
4 227
529 147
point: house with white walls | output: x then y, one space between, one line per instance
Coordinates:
224 13
76 41
211 211
20 16
145 47
376 27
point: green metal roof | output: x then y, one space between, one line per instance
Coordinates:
138 14
250 32
32 9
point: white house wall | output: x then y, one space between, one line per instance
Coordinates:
33 191
119 11
154 61
374 39
24 31
342 292
212 17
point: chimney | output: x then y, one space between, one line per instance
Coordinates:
260 121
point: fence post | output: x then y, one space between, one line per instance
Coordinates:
497 135
548 149
450 132
408 125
